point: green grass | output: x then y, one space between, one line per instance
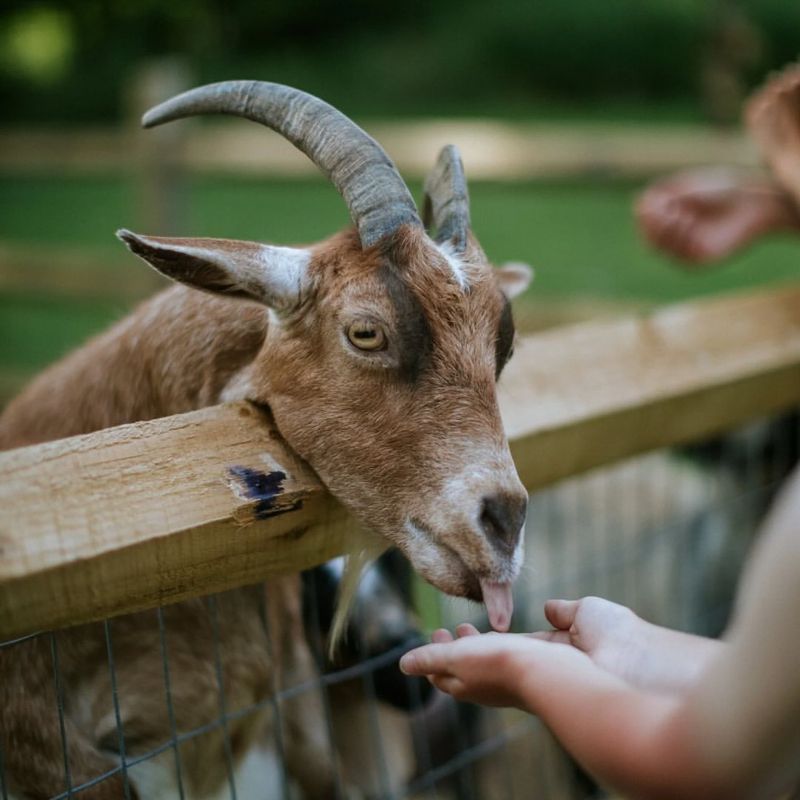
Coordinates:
583 242
36 330
579 236
73 211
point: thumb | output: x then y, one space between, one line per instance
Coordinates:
561 613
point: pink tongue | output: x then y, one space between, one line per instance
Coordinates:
499 604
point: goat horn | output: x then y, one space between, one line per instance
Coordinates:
447 200
376 196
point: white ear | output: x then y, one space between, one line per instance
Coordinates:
514 278
275 276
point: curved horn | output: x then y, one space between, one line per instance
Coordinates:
447 200
376 196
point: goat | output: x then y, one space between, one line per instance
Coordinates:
376 350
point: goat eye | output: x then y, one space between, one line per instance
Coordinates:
366 335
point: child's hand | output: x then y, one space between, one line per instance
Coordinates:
490 668
610 634
644 655
593 640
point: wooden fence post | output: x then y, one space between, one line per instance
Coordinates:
159 175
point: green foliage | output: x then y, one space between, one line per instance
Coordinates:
37 45
594 47
779 23
465 56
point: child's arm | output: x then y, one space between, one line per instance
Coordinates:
750 701
615 731
644 655
734 733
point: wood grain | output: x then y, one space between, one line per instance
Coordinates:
141 515
577 397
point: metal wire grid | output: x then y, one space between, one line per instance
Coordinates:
606 558
466 756
361 670
606 541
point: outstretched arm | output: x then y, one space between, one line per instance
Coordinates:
750 701
622 735
731 733
644 655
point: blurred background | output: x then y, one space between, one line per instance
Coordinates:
562 111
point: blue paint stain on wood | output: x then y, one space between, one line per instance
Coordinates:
264 488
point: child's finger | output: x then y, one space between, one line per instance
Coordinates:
447 683
425 660
467 629
442 636
561 613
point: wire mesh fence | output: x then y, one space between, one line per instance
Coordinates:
195 700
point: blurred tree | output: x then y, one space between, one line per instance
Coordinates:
399 58
734 48
37 44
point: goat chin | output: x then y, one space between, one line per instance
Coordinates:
363 549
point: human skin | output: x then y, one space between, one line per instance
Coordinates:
702 216
726 726
772 117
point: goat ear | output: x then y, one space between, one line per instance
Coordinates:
514 278
275 276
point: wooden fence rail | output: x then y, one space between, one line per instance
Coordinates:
493 149
155 512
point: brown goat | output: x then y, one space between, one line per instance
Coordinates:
376 350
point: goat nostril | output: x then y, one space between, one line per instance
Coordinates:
502 517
